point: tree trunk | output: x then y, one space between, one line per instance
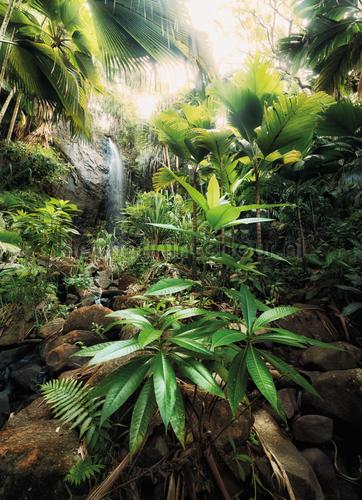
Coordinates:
259 239
360 85
14 117
194 229
6 105
6 59
300 222
9 11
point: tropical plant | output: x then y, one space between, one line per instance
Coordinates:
53 62
81 278
272 129
330 44
76 405
48 229
83 470
168 350
26 283
24 165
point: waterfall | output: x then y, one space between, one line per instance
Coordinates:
115 186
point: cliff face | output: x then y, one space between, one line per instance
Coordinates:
87 182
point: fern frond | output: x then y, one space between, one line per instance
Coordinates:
74 404
83 470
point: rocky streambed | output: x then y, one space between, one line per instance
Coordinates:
314 455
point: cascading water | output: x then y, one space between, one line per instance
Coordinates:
115 186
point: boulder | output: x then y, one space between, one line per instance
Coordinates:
86 184
288 397
52 328
315 429
325 472
104 278
85 317
36 411
318 358
300 474
19 324
340 396
34 459
311 321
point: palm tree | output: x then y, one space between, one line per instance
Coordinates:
331 44
178 130
58 46
272 129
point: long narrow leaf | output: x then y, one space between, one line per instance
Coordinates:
165 386
262 377
141 416
237 381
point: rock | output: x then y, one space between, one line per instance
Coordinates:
28 376
155 449
104 278
324 470
58 358
36 411
84 318
89 300
348 491
34 459
4 403
341 396
317 358
52 328
9 356
86 184
18 326
301 476
289 401
72 299
315 429
311 321
80 337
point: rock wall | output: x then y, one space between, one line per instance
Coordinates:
86 184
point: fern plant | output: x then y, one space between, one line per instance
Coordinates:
75 404
83 470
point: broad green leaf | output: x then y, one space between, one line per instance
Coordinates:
194 194
287 370
165 386
116 350
226 337
248 220
141 416
222 215
169 286
135 317
248 306
177 420
293 340
237 381
306 340
213 192
190 312
90 351
273 315
148 336
199 375
192 345
120 386
262 378
290 122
